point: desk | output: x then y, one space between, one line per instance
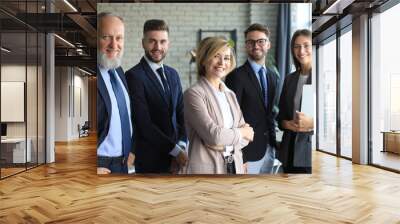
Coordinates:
391 141
15 148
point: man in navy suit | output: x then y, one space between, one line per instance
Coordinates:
115 131
254 85
156 95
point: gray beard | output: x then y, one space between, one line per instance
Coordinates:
107 63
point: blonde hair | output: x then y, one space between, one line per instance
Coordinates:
207 48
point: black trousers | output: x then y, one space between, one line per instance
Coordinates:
115 164
289 168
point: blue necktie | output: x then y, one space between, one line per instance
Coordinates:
165 83
123 113
263 82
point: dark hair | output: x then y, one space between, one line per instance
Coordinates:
155 24
303 32
257 27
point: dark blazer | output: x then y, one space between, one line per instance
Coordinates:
295 148
159 123
248 92
104 106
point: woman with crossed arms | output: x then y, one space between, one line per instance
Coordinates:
214 122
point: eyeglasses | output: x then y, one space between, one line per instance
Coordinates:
259 42
299 46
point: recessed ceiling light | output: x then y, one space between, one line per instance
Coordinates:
84 71
64 40
337 7
5 50
70 5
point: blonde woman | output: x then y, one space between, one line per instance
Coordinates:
216 129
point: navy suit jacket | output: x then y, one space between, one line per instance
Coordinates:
262 119
159 122
104 106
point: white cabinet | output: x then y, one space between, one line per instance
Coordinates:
18 149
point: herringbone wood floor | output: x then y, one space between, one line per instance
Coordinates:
69 191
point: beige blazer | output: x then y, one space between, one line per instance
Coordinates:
206 132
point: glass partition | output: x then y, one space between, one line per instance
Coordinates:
346 94
13 105
327 96
385 89
22 89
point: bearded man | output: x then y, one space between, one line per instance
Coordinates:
115 151
157 100
255 85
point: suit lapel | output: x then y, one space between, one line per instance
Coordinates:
213 101
292 92
150 74
254 81
271 88
171 83
103 91
121 75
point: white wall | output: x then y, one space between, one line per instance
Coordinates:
71 93
17 73
33 126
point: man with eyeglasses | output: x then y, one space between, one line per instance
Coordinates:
254 84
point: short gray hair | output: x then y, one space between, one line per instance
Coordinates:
102 15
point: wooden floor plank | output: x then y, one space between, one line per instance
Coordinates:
69 191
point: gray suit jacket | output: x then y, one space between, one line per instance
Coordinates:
206 132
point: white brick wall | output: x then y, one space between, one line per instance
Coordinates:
184 20
266 14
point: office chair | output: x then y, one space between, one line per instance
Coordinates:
84 130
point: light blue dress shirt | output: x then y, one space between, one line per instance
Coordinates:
112 144
256 67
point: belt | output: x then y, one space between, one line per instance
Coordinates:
230 164
106 161
228 159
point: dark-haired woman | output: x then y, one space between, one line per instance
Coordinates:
295 148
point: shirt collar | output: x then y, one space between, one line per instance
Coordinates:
153 66
105 71
255 66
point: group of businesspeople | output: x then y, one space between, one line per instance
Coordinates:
223 124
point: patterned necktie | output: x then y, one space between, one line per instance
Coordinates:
263 82
167 91
123 113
